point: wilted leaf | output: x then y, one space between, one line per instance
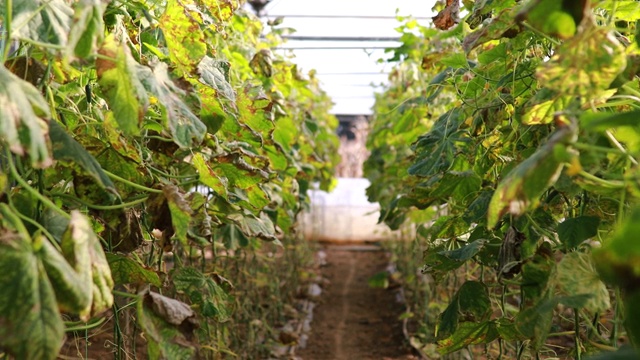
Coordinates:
168 325
24 112
30 324
449 16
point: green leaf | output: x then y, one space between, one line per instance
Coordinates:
186 128
232 236
471 302
457 184
521 189
30 324
469 333
87 30
466 252
23 115
206 291
542 107
535 322
208 176
618 260
42 21
215 73
261 227
128 271
576 275
379 280
606 120
119 82
67 150
574 231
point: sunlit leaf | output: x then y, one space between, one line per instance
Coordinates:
118 80
23 115
585 65
185 39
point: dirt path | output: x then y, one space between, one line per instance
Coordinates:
352 320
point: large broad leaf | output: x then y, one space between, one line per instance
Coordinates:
66 149
87 30
185 39
128 271
535 322
23 115
207 291
576 275
209 177
261 227
44 21
83 250
186 128
521 188
585 65
215 73
30 325
119 82
471 302
618 260
573 231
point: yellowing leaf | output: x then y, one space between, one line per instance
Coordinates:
185 38
23 115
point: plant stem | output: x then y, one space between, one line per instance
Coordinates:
576 321
131 183
8 18
102 207
30 190
611 184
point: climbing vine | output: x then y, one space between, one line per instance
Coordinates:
508 139
147 147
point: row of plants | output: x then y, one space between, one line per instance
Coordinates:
506 144
155 156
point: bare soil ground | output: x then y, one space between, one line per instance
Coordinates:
353 320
